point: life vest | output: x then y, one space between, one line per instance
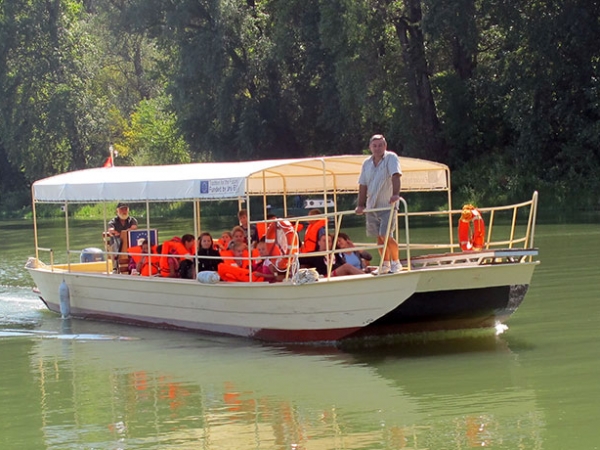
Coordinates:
261 229
226 255
229 270
228 258
221 244
137 254
170 249
311 235
471 229
282 244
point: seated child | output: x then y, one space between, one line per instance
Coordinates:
236 267
354 257
321 262
206 248
266 268
223 242
186 265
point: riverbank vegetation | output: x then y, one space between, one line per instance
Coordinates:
504 93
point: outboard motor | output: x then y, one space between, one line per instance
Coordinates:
91 254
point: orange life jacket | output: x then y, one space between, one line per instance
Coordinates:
311 235
147 269
282 243
227 256
261 229
229 270
171 249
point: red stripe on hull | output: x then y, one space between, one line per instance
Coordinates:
304 335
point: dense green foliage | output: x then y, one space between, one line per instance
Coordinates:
506 93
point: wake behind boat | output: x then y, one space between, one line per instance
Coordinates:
441 286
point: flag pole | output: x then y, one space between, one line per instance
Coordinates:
112 155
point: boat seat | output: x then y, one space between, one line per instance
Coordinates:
122 260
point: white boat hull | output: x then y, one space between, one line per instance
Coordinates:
283 312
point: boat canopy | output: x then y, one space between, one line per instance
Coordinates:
228 180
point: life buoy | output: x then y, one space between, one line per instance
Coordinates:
261 229
471 229
282 244
311 235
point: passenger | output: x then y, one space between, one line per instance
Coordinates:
237 235
172 253
172 265
223 242
240 255
356 258
206 248
186 265
121 222
266 268
252 234
237 267
320 262
314 231
143 266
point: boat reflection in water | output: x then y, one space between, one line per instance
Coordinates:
187 392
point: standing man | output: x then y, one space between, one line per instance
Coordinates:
121 222
379 186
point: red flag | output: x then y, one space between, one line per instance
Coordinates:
108 162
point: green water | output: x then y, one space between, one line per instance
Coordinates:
69 384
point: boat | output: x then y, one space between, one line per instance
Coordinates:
441 286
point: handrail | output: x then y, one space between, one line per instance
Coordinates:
510 242
514 237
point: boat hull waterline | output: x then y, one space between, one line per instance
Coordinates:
282 312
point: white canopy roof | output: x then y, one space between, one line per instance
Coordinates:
228 180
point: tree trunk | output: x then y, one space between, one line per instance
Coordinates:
464 41
427 130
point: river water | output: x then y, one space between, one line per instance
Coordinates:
72 384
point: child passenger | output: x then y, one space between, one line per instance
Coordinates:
237 237
206 248
354 257
186 266
224 240
266 268
321 262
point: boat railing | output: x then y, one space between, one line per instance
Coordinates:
51 252
338 218
504 229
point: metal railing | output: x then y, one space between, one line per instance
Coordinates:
494 218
